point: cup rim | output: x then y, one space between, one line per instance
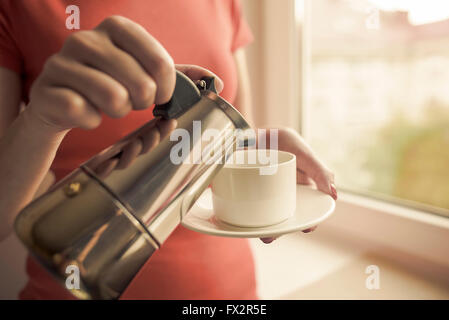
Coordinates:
292 158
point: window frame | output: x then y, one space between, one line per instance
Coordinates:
391 225
305 129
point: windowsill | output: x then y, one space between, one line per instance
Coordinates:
330 265
327 265
410 248
397 210
394 227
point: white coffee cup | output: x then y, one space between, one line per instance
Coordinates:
256 188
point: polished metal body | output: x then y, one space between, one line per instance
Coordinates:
107 222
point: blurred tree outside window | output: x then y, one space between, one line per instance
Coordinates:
378 96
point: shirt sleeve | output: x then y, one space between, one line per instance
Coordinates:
242 34
10 56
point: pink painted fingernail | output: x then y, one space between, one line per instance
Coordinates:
267 240
311 229
334 191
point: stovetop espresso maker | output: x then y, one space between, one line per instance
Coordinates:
107 221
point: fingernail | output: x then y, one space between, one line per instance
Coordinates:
310 229
334 191
267 240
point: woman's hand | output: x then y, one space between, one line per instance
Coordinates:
309 169
113 69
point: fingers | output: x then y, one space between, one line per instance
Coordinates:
154 135
310 229
150 139
309 164
302 178
140 145
113 69
166 127
269 240
151 55
105 168
96 51
72 108
334 191
309 167
101 90
145 142
116 67
129 153
323 178
196 73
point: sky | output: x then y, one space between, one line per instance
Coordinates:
420 11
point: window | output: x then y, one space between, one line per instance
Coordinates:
376 96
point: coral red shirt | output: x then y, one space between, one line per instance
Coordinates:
203 32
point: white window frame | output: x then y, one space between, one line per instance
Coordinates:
392 226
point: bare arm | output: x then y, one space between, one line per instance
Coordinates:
27 149
112 69
89 76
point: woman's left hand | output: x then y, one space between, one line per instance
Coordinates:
309 169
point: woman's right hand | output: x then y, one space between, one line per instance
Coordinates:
114 68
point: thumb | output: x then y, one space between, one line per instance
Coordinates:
196 73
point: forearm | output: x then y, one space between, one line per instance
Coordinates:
27 150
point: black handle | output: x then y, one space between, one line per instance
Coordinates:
186 94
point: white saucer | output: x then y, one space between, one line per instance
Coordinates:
312 208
